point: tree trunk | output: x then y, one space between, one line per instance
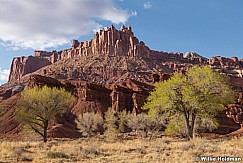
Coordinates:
188 126
45 136
189 132
45 131
193 123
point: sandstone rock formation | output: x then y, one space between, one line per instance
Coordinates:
117 45
107 43
114 69
194 56
25 65
235 111
129 95
228 62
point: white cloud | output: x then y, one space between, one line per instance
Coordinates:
40 24
134 13
147 5
4 75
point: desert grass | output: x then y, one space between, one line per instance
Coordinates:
159 150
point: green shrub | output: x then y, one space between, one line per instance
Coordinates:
90 123
123 118
111 125
140 124
144 123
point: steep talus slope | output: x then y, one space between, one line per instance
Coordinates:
102 69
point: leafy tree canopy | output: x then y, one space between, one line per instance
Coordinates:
39 105
198 94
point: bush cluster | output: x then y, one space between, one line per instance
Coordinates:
113 124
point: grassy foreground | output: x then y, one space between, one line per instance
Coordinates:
163 149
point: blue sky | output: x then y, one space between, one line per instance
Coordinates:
208 27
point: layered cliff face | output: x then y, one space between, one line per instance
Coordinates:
109 43
113 44
227 62
231 66
125 95
25 65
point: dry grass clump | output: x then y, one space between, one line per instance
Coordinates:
163 149
17 151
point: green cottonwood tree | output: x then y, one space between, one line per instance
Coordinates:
197 94
39 105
